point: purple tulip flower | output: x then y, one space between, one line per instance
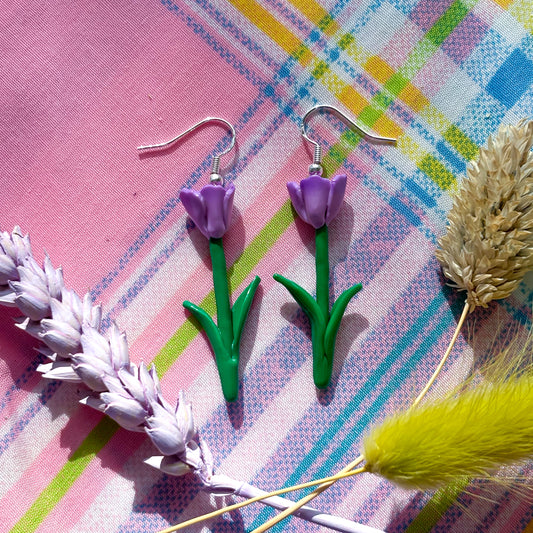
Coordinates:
317 200
210 208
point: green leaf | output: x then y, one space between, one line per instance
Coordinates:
304 300
211 329
240 310
337 311
228 367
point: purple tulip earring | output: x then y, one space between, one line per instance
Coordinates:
317 201
210 209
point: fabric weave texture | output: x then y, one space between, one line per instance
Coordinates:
83 84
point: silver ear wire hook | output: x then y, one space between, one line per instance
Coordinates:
215 165
316 166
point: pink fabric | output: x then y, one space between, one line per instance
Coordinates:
83 84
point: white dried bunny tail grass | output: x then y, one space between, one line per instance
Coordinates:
488 245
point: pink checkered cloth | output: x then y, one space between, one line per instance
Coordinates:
83 84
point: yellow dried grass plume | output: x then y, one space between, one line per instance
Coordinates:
488 245
469 436
486 423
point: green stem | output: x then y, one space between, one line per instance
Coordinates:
324 325
322 270
220 282
227 358
322 365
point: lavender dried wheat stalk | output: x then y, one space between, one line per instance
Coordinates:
78 351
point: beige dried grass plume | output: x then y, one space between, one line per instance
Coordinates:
488 246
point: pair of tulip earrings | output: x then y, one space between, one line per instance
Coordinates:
317 201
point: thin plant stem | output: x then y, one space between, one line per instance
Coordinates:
322 364
319 490
335 523
432 379
220 283
235 506
322 270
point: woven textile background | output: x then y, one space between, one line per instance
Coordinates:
83 83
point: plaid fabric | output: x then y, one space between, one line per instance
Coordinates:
82 84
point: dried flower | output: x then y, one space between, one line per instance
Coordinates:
15 247
91 370
466 435
488 246
36 287
317 200
210 208
31 299
60 370
60 336
171 432
100 357
8 269
124 398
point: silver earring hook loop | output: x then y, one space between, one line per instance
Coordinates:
316 166
215 165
